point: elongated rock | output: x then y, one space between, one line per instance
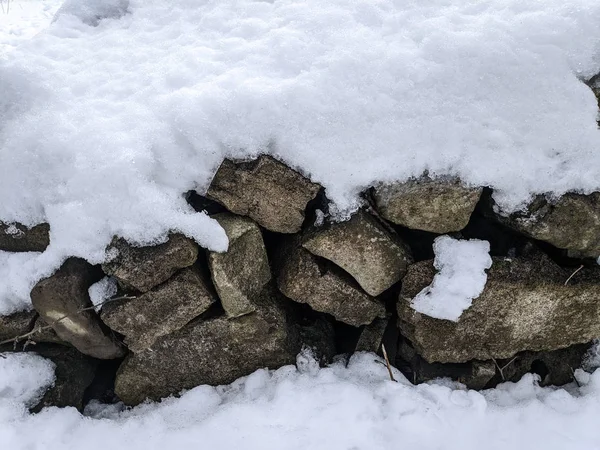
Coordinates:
305 279
525 306
19 238
440 205
160 311
240 274
142 268
266 190
363 248
66 294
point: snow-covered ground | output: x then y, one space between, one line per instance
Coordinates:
102 128
353 408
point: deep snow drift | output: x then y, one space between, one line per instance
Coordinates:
102 128
335 408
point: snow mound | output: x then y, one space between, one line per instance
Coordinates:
461 278
24 377
103 128
336 408
91 12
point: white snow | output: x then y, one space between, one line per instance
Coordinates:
336 408
461 277
103 128
24 377
102 290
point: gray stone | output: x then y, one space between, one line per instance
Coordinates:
363 248
46 334
266 190
74 373
160 311
19 238
525 306
440 205
66 294
570 222
142 268
216 351
239 274
372 335
305 279
16 324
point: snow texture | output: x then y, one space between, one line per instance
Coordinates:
91 12
103 128
24 377
102 290
337 408
461 277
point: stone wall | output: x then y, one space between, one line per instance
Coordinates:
184 316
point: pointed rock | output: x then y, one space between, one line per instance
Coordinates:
240 274
160 311
440 205
60 299
142 268
365 249
266 190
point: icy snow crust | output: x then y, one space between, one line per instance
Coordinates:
461 277
357 407
102 128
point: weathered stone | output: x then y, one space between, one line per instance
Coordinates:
240 273
216 351
142 268
363 248
570 222
266 190
46 334
74 373
66 294
160 311
372 335
18 238
440 205
525 306
16 324
305 279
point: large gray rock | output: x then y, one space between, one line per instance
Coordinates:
570 222
525 306
266 190
16 324
304 278
66 294
440 205
363 248
216 351
160 311
239 274
142 268
18 238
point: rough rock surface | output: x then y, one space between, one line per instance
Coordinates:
305 279
266 190
142 268
239 274
570 222
363 248
441 205
372 335
160 311
65 294
19 238
216 351
525 306
16 324
46 335
74 373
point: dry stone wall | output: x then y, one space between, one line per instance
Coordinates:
184 316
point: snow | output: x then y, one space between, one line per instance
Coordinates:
104 127
24 377
102 290
461 277
354 407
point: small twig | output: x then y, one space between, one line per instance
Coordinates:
573 274
387 362
501 369
574 377
27 336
